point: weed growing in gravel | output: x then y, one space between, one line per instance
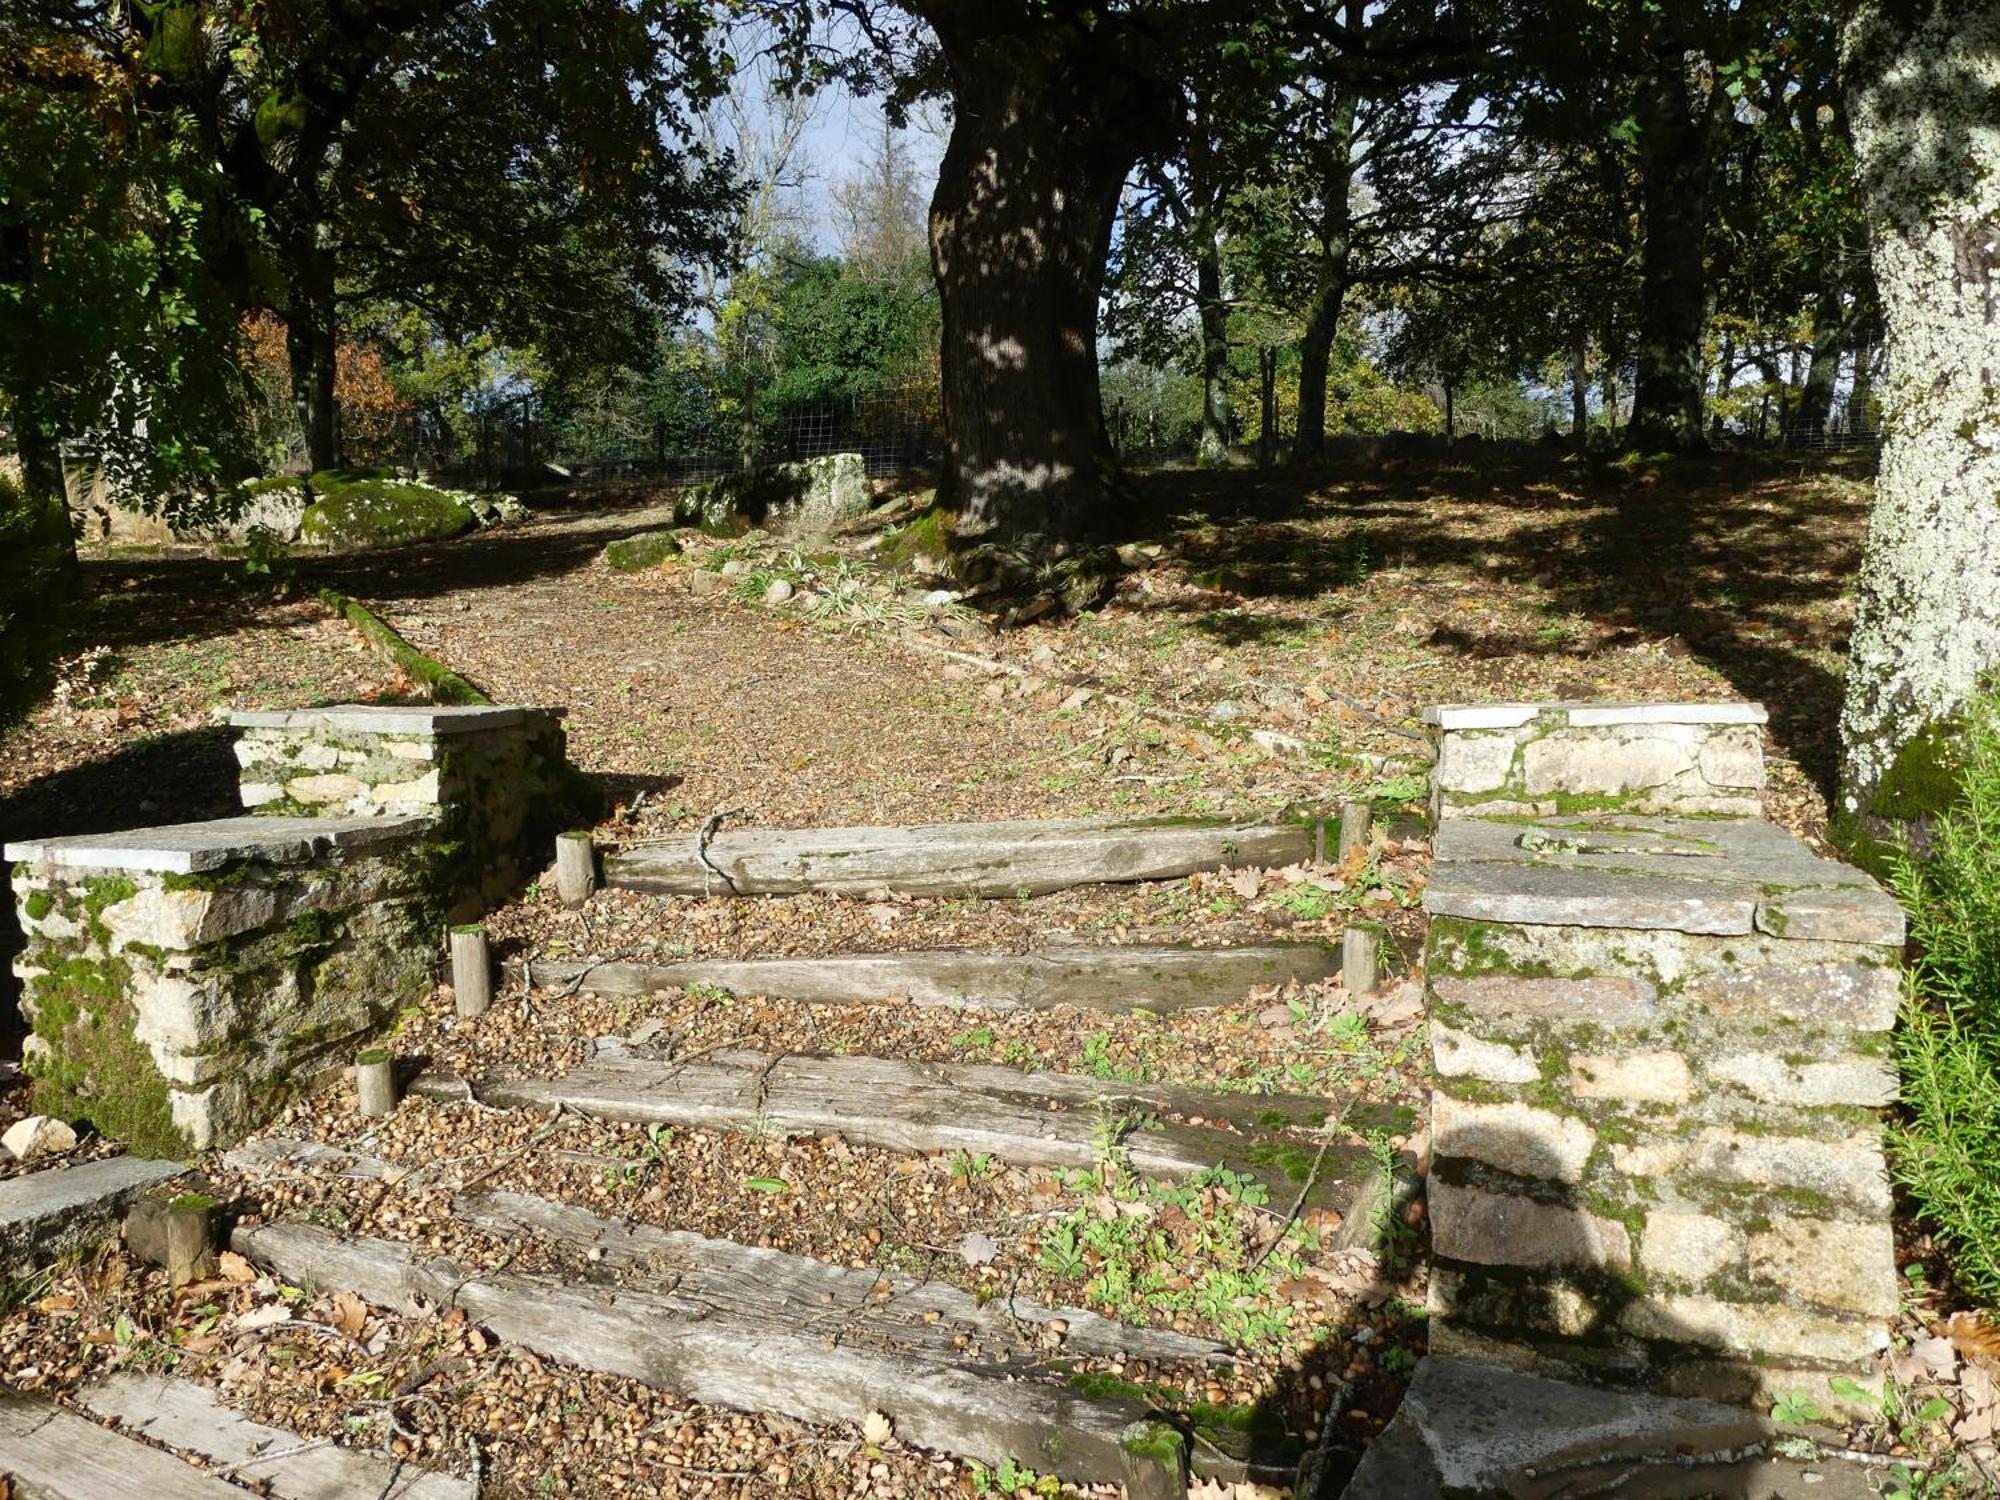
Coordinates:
1142 1246
972 1166
1011 1478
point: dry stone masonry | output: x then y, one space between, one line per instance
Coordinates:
1661 1049
1512 759
495 780
179 982
182 982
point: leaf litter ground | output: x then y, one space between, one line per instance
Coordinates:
1273 646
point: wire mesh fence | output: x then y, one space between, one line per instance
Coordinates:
513 443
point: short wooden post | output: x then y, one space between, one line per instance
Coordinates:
1354 820
576 868
375 1082
190 1238
1361 960
471 970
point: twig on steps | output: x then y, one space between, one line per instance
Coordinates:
1336 1119
1312 1178
270 1458
708 832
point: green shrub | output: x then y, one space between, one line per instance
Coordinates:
648 549
1947 1146
373 508
37 585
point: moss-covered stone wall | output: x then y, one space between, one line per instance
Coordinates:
1657 1153
177 1012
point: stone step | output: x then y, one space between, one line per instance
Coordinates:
60 1208
52 1453
1154 977
1023 858
203 848
1028 1119
1725 877
717 1345
1479 1432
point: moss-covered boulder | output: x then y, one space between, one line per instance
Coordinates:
923 545
634 554
375 508
807 497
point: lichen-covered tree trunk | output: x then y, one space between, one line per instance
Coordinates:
1332 280
1047 121
1921 78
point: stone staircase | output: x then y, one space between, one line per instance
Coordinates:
239 961
1657 1028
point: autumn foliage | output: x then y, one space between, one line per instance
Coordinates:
372 410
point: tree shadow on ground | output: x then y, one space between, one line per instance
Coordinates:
169 778
1719 559
186 596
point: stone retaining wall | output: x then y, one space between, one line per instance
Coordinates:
1526 759
182 982
495 779
1662 1058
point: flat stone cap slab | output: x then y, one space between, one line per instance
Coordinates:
1722 876
375 718
195 848
1453 716
1477 1432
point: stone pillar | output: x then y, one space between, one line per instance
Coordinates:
182 983
1662 1058
495 780
1524 759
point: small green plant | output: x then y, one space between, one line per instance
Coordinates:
978 1039
1794 1407
1307 901
267 557
1010 1478
972 1166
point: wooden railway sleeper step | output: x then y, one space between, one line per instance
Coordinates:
1026 1119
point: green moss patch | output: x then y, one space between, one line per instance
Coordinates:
93 1068
369 508
634 554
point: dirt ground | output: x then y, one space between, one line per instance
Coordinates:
1274 646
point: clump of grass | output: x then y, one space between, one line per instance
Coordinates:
1947 1146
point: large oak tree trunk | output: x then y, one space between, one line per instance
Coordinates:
1048 120
311 344
1920 80
1678 125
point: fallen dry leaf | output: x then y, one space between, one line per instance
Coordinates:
234 1267
1970 1335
